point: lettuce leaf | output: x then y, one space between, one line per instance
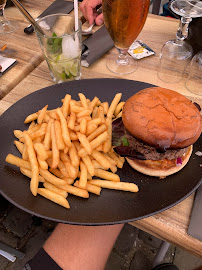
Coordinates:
122 145
117 132
125 142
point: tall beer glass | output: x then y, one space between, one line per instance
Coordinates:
124 19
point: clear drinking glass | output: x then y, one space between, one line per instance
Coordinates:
61 46
194 81
124 19
176 54
6 26
174 59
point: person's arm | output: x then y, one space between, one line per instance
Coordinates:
88 8
82 247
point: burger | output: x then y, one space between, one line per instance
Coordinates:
157 131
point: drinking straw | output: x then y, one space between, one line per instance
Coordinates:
76 15
28 16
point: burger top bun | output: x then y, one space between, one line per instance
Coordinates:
162 118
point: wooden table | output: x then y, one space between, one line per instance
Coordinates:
170 225
29 54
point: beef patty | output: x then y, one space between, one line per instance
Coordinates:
150 152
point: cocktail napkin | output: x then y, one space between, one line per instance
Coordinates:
6 64
95 46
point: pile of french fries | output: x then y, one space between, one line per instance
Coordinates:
66 147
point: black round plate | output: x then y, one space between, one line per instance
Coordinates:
111 206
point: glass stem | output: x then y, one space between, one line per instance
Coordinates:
182 31
122 58
2 15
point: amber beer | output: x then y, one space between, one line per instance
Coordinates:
124 19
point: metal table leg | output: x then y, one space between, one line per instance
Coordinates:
161 253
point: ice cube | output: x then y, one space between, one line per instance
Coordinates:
70 47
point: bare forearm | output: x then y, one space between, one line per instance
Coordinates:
82 247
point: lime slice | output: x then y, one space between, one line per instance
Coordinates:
57 66
74 69
61 57
63 76
57 58
67 71
67 66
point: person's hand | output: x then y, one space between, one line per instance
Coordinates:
88 8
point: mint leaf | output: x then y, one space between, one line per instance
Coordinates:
125 141
54 44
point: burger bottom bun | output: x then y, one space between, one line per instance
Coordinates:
152 168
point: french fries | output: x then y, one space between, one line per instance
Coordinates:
72 120
107 175
53 196
66 147
87 161
108 143
55 189
65 131
115 185
34 164
113 105
76 191
41 151
42 164
31 118
84 142
83 100
19 162
20 146
83 125
28 173
47 138
97 132
18 133
41 115
58 133
55 150
100 157
118 108
90 188
66 105
73 155
83 176
52 178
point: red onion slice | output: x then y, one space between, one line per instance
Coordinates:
179 161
